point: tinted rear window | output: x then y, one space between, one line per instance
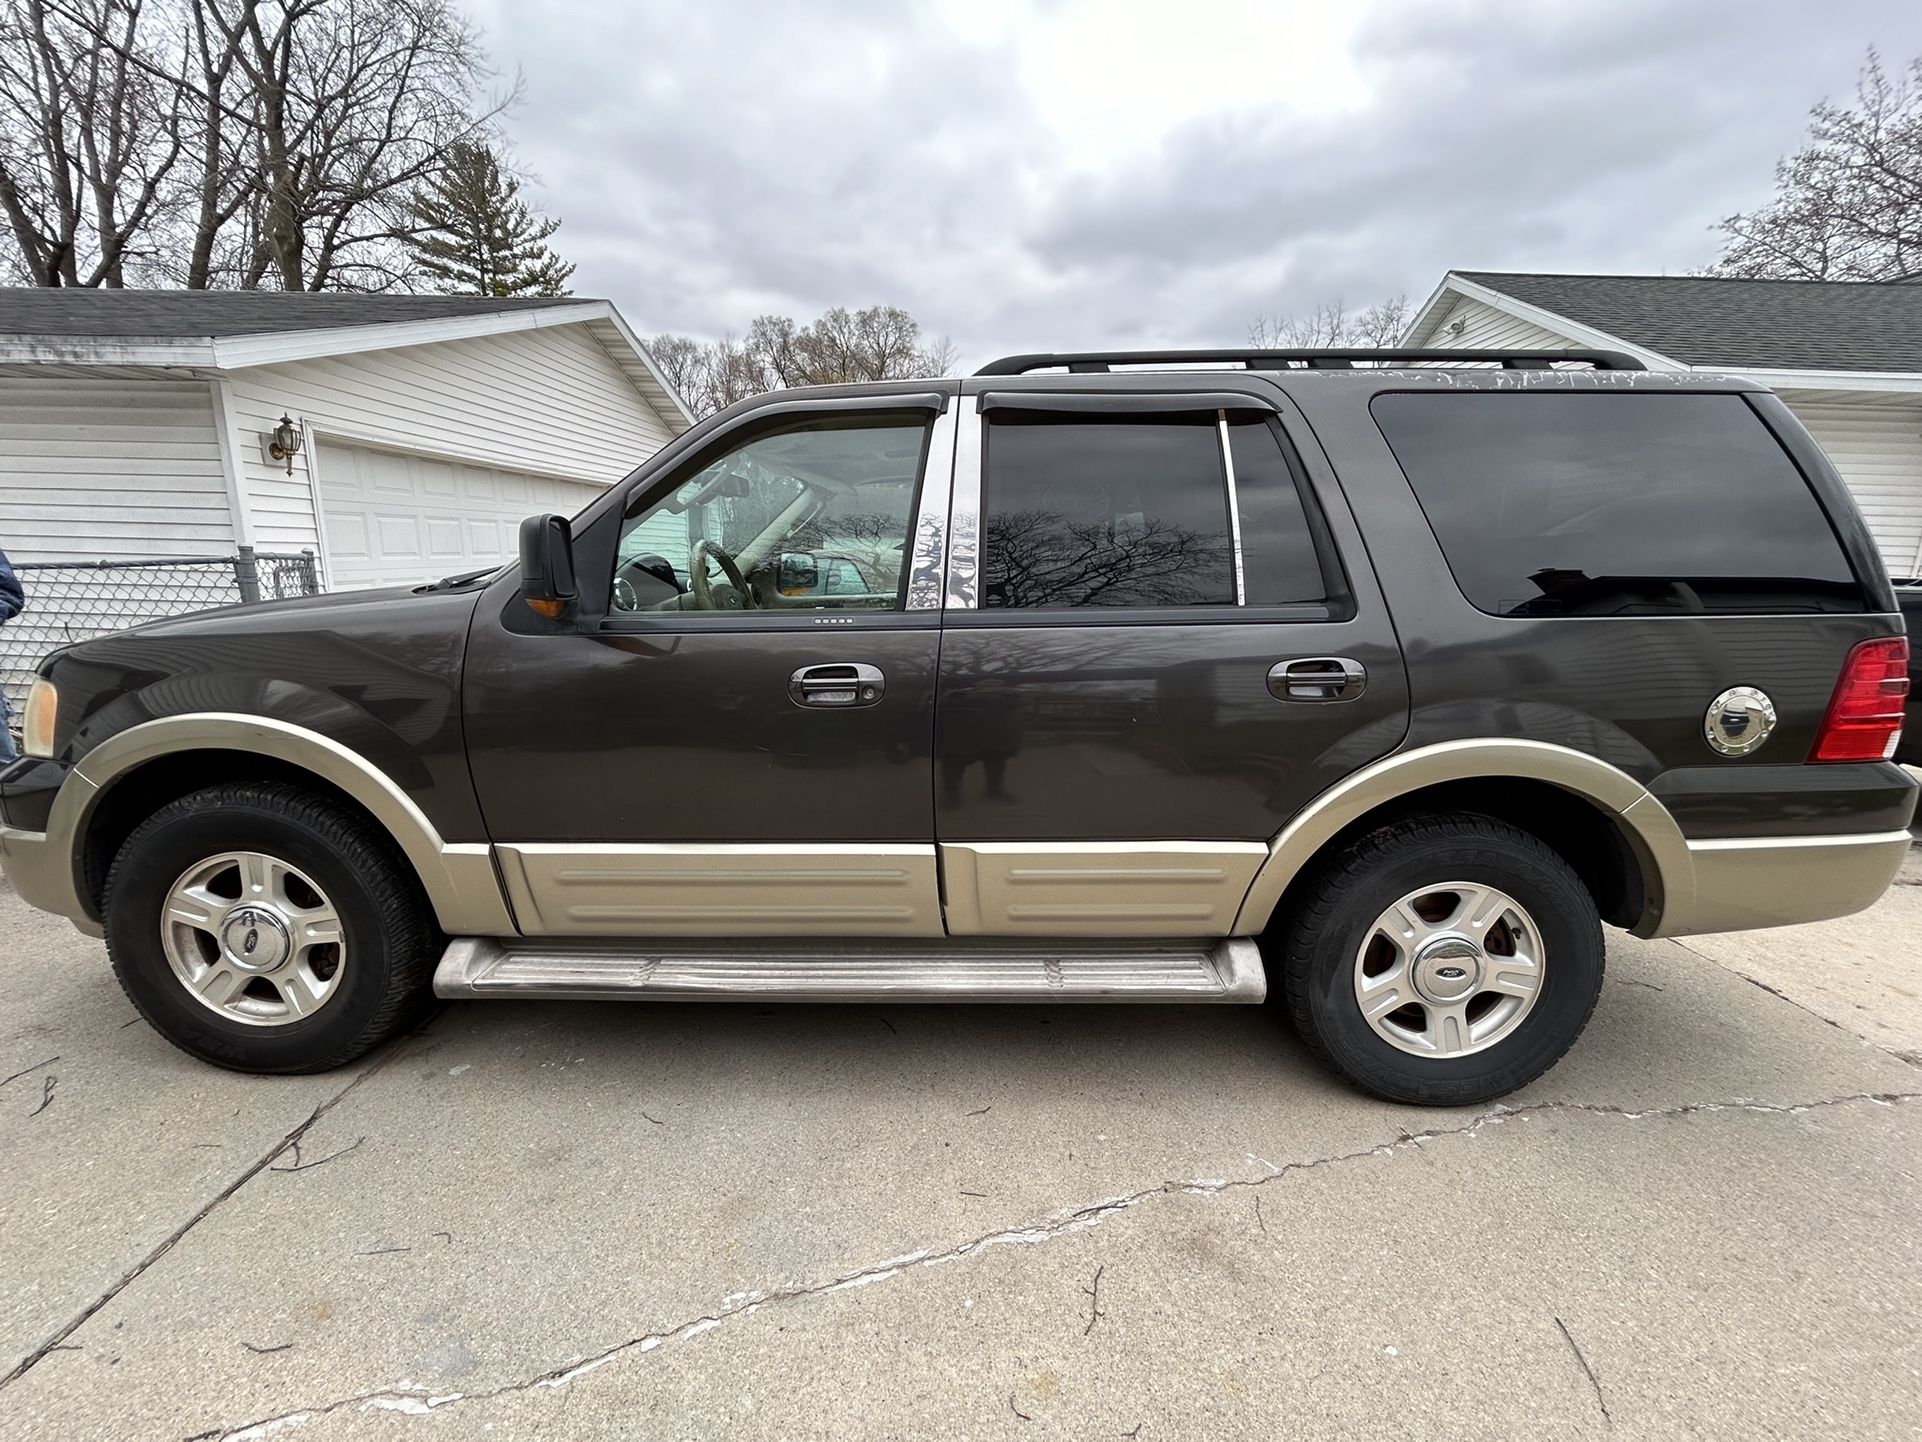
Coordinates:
1105 513
1278 545
1599 504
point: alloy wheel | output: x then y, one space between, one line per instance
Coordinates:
1449 970
253 938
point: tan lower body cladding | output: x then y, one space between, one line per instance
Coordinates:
1137 888
773 890
1166 888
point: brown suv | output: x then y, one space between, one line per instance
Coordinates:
1388 678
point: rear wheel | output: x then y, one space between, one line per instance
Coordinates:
1442 960
266 929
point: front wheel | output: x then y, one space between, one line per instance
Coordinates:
1442 960
267 929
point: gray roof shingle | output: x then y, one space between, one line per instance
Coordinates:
1708 321
99 314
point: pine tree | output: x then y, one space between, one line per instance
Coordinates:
478 237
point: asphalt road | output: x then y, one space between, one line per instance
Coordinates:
548 1221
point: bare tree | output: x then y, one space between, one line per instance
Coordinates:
880 343
876 344
1331 324
681 359
1848 204
89 138
1383 324
708 375
239 142
1326 324
223 179
350 105
940 356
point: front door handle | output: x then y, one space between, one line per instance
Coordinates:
1318 678
837 684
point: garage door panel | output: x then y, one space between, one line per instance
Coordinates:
444 539
347 536
399 536
390 477
398 520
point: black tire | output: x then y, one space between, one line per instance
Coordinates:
1327 923
390 940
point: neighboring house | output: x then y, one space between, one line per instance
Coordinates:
135 424
1845 356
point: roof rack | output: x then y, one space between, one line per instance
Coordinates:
1306 358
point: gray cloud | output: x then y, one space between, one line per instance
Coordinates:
713 161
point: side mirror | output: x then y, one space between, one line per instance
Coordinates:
547 565
797 574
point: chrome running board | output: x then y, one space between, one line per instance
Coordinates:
966 970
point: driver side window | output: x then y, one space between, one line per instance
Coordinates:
812 517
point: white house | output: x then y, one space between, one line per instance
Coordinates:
1845 357
136 424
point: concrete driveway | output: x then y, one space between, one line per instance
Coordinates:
555 1220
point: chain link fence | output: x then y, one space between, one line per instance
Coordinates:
70 601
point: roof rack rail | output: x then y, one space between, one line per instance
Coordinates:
1306 358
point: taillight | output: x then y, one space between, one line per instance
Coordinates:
1865 714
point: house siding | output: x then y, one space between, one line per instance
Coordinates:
547 402
1486 328
1877 448
110 469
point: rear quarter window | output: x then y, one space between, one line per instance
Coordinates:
1598 504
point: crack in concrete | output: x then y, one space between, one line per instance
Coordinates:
54 1343
417 1401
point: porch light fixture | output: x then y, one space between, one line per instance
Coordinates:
283 444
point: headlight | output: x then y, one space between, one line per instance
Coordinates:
36 726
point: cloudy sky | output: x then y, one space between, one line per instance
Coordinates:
1063 174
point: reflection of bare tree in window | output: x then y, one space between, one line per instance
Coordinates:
963 564
873 539
924 575
1042 558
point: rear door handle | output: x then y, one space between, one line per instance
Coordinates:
1318 678
837 684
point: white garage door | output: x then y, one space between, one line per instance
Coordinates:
392 519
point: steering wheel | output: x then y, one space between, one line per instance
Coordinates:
737 598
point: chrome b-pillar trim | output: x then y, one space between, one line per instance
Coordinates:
928 554
1234 506
964 515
